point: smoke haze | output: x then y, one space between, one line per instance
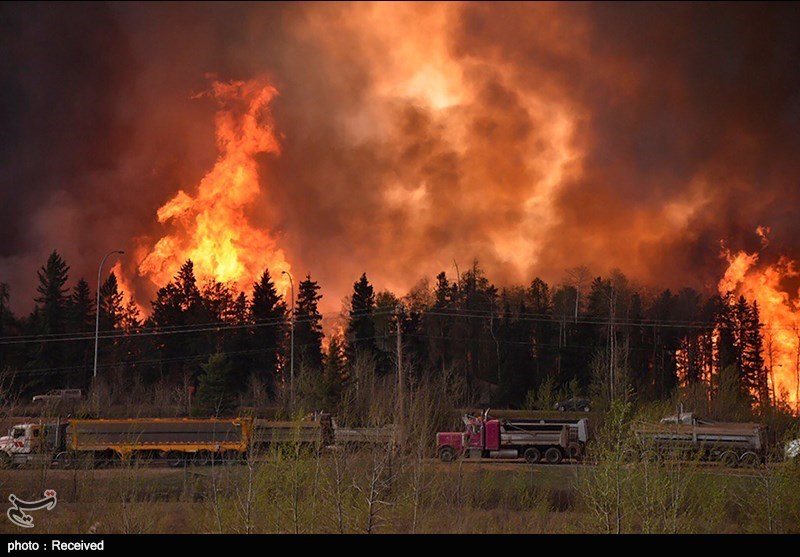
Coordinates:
534 137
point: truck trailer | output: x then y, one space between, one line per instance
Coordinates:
177 441
535 440
732 443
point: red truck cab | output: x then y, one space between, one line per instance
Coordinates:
534 440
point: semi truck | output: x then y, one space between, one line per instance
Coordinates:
177 441
535 440
732 443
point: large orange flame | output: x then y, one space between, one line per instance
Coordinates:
212 228
780 313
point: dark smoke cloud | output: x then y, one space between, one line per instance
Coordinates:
684 131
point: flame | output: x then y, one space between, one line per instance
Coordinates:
779 311
125 287
211 227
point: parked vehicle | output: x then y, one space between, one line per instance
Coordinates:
792 449
58 395
574 405
97 442
531 439
731 443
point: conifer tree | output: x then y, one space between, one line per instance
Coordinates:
215 394
52 299
361 325
308 325
268 314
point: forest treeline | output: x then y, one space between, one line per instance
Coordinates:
518 346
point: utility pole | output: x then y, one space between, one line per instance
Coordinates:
97 308
400 412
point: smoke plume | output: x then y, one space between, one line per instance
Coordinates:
535 137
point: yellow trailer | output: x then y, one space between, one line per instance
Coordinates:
177 441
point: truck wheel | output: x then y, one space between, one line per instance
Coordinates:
553 455
749 459
651 455
730 459
5 460
65 461
447 454
532 455
175 459
574 451
202 458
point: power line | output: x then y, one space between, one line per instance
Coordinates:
216 326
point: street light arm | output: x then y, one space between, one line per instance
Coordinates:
97 307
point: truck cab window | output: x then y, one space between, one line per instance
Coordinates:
18 432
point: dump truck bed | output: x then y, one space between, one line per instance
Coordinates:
160 434
744 436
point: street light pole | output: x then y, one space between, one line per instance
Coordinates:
291 356
97 308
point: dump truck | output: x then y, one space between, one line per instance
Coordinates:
176 441
687 435
535 440
319 430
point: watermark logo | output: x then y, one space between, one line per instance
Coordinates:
16 512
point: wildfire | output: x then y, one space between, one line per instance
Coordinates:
211 227
126 288
780 313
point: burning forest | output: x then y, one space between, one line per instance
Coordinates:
233 228
324 141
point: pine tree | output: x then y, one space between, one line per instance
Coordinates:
361 325
130 320
217 301
268 314
52 299
179 304
215 394
112 305
308 325
50 317
539 332
333 375
476 345
80 319
438 322
81 308
186 283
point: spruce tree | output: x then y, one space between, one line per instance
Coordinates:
361 325
333 375
268 314
112 305
439 321
52 299
308 325
186 283
215 394
80 319
81 308
50 317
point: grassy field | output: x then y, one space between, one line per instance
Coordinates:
376 493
